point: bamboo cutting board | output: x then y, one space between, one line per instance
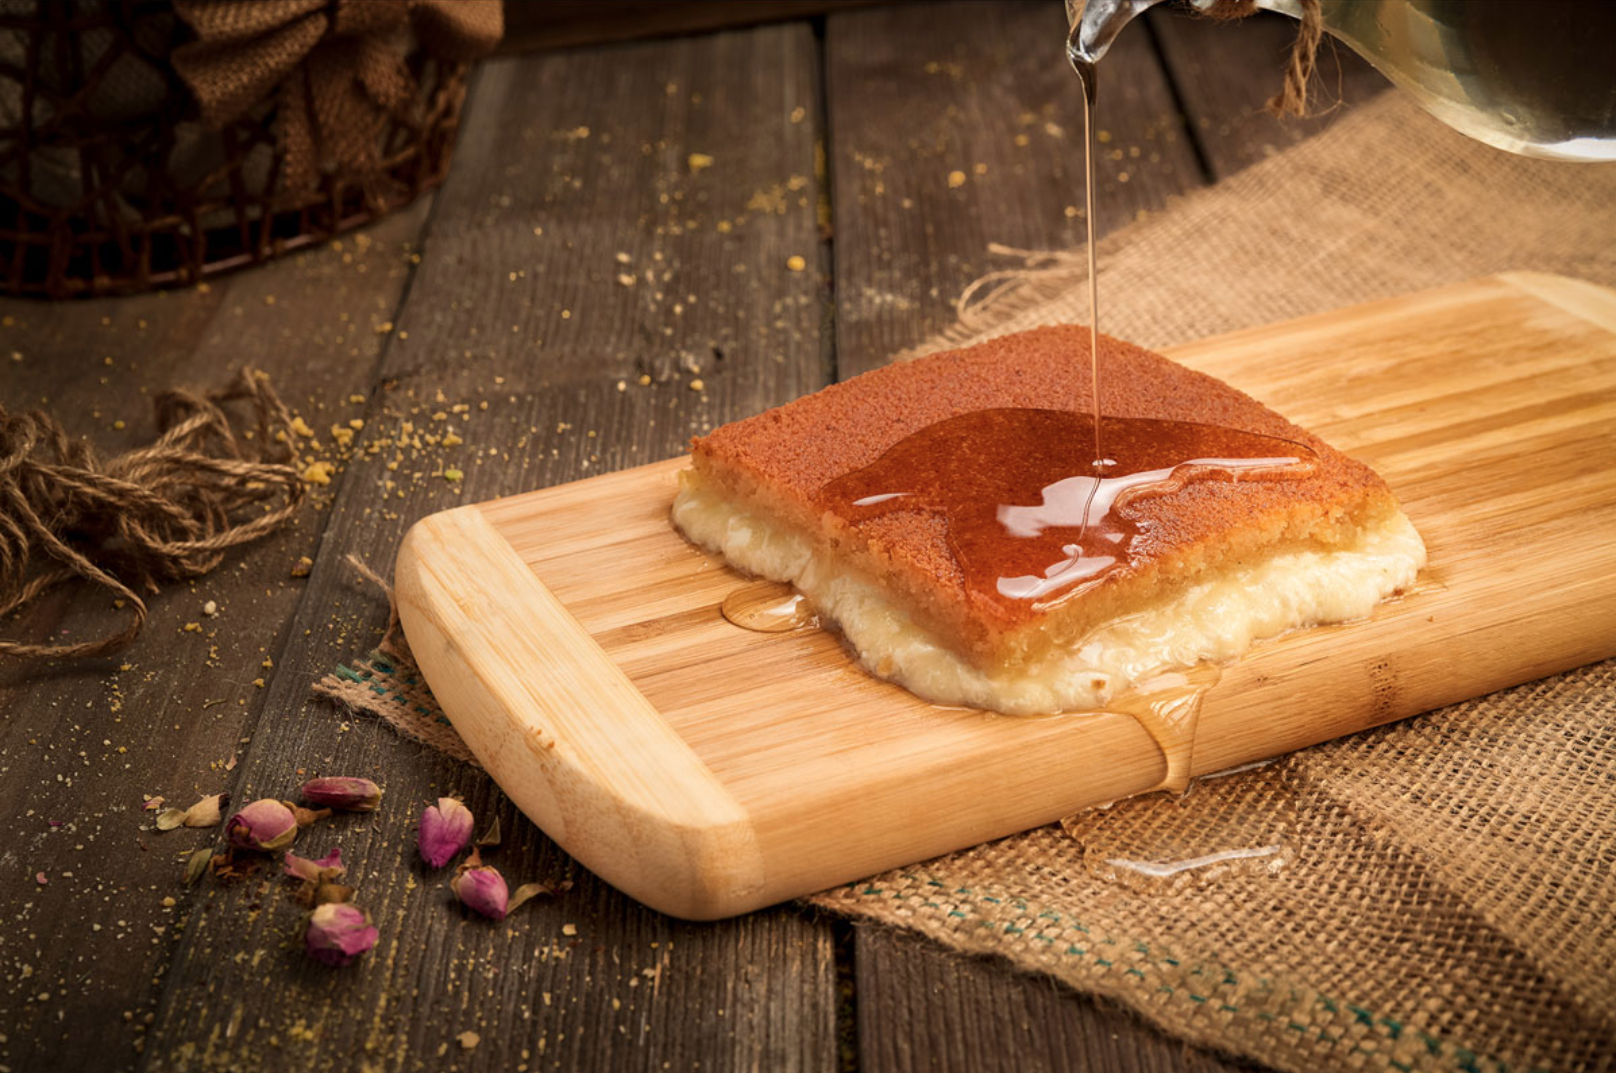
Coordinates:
574 639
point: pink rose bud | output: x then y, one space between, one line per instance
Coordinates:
480 886
265 825
343 792
445 830
323 870
338 933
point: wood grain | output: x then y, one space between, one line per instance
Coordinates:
1457 396
83 744
517 331
919 92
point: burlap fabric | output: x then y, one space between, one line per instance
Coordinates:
1432 895
335 68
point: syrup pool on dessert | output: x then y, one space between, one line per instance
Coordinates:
1030 516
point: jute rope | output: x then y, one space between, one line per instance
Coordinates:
1292 98
158 513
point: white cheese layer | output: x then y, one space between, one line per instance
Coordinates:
1216 619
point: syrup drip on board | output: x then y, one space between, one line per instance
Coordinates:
1168 707
1028 519
768 607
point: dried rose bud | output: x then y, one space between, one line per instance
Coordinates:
323 870
480 886
340 791
338 933
445 829
265 825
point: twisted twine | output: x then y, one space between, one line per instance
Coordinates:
158 513
1292 98
1039 268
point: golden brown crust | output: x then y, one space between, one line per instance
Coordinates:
779 459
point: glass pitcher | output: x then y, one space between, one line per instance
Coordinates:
1536 77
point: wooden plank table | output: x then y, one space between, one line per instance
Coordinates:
498 303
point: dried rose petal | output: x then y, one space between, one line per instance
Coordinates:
338 933
323 870
196 864
265 825
343 792
527 892
445 829
206 812
480 887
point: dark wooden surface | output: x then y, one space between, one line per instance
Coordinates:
927 91
498 304
544 24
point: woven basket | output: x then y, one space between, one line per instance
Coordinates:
110 182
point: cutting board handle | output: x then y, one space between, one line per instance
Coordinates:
562 730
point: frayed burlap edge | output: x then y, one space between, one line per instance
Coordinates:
393 691
387 684
1386 202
